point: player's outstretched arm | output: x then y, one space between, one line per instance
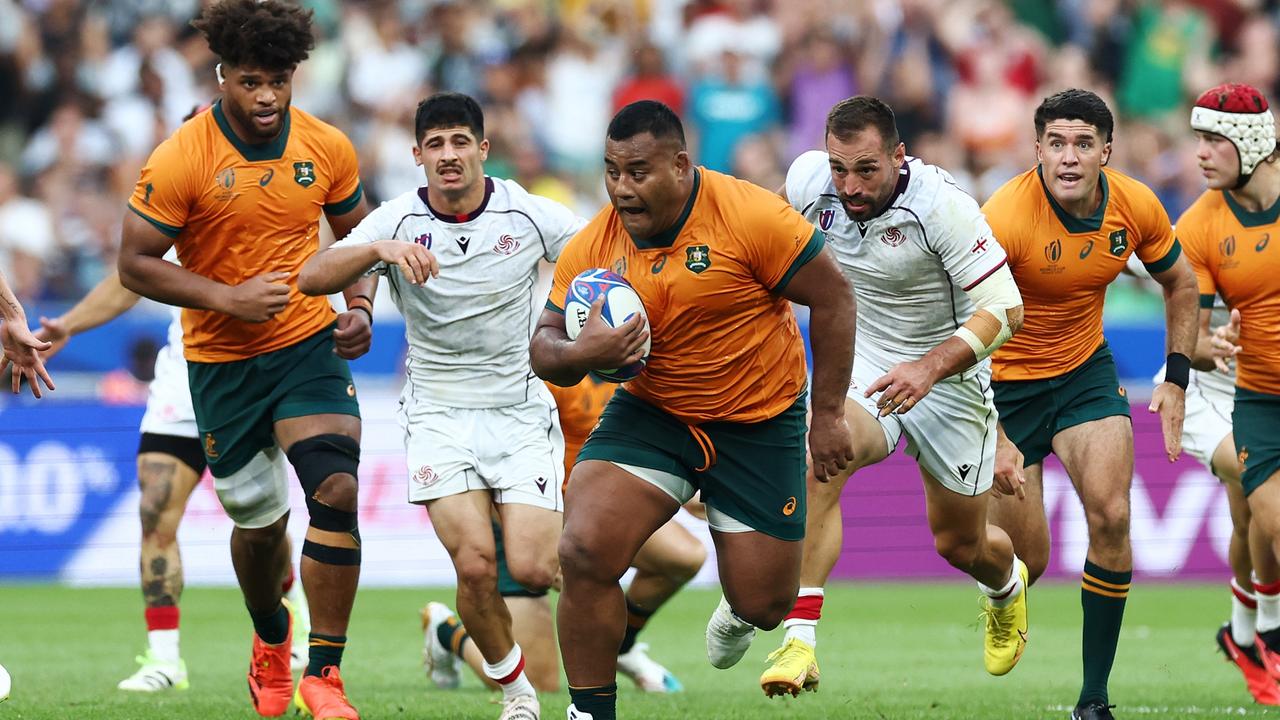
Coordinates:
821 286
564 362
107 301
337 268
21 348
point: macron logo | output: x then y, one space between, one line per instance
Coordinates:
464 243
542 485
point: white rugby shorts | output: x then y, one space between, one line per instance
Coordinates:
951 433
1208 420
169 410
515 452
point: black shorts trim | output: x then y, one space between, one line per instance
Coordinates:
186 449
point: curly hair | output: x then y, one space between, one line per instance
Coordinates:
265 34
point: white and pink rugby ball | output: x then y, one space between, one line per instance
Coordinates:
620 303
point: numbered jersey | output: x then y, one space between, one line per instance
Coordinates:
1236 256
236 211
469 329
1063 265
911 264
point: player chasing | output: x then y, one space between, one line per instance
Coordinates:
21 348
934 299
1226 233
239 191
1068 226
720 406
669 558
461 255
170 465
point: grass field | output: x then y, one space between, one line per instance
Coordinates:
887 651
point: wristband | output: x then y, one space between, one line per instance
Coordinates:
366 310
1177 370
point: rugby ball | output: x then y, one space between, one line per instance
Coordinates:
620 303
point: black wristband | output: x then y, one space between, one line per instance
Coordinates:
369 312
366 298
1177 370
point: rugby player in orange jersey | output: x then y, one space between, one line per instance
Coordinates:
720 407
1227 235
239 191
1069 226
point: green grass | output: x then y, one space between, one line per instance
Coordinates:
887 651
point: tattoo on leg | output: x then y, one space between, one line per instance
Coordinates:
162 585
157 490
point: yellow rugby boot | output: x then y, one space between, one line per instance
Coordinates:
1006 630
794 668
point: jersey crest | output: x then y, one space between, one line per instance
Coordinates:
1119 240
697 258
304 173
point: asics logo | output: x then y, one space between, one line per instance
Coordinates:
790 507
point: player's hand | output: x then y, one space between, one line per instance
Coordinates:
600 347
830 447
353 336
258 299
416 263
1223 345
902 387
22 352
1170 401
1008 478
53 331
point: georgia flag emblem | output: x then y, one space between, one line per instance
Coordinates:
426 477
506 245
893 237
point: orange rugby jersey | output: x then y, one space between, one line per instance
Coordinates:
725 342
579 408
1063 264
1231 251
236 211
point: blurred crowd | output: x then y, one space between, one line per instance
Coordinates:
91 87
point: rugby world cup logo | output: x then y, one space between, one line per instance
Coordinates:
1053 251
825 218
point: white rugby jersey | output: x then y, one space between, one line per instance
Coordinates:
174 338
911 264
469 329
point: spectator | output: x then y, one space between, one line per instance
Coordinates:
26 238
726 107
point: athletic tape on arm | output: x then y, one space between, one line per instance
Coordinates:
988 329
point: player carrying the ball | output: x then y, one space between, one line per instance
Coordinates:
720 406
935 299
461 256
1069 225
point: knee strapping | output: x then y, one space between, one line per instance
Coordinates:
316 459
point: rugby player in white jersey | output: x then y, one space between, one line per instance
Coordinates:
935 299
170 464
461 255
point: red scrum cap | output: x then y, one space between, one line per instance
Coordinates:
1240 114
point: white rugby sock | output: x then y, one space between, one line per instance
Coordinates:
164 644
1001 597
1268 605
1244 615
509 674
802 622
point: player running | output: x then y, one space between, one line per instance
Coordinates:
669 558
170 464
1226 233
720 406
1069 226
21 348
239 191
461 255
935 299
